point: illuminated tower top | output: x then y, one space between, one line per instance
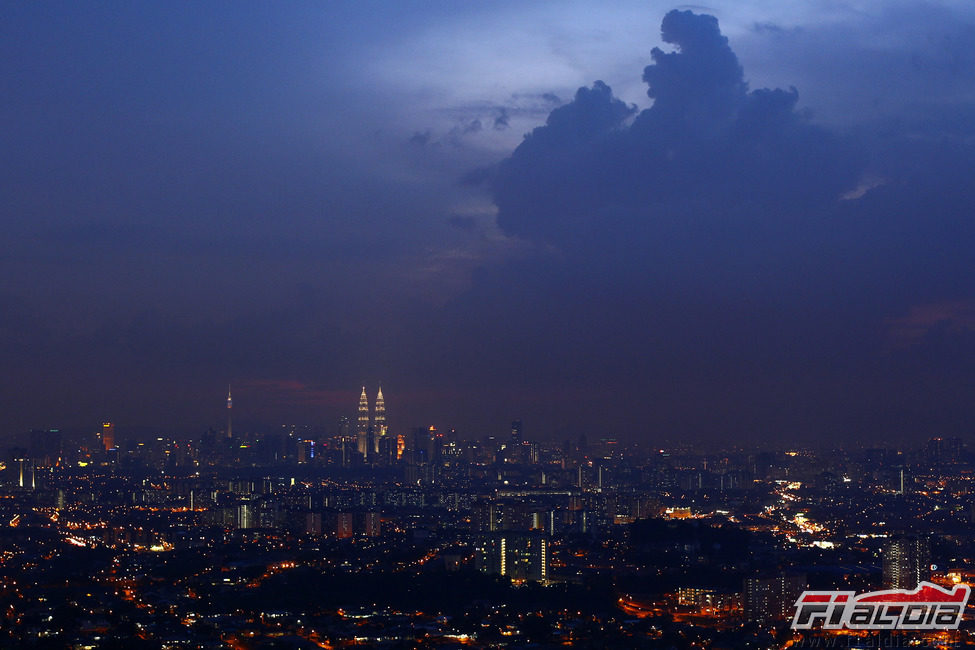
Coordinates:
380 421
363 411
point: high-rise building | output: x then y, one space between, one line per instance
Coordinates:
379 423
230 423
371 434
362 432
434 445
907 561
313 523
344 525
520 556
514 449
247 514
386 455
108 436
774 598
516 432
943 450
371 524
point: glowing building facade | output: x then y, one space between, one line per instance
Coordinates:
362 432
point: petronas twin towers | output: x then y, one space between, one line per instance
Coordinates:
368 435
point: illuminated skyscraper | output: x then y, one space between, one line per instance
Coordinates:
906 561
380 422
230 423
362 433
108 435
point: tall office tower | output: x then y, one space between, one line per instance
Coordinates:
380 420
907 561
370 456
108 435
434 445
514 451
943 450
362 433
387 450
230 423
516 432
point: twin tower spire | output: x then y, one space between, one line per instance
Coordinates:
368 435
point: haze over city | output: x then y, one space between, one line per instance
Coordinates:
748 220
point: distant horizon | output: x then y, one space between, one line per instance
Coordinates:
246 429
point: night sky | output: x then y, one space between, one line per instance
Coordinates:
745 221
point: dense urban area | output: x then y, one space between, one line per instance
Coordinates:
299 538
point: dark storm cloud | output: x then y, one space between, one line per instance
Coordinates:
702 81
722 264
610 172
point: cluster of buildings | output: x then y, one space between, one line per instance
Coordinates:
184 538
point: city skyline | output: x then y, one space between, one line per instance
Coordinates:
170 541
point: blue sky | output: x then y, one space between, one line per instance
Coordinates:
304 198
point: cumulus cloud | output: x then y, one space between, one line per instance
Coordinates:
723 250
608 171
702 80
